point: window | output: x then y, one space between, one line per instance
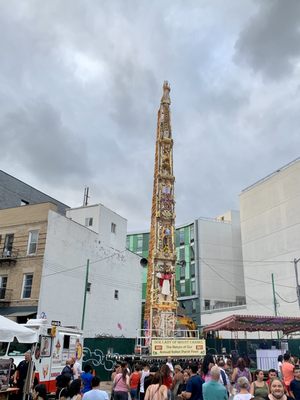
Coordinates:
139 243
181 254
181 236
192 269
192 232
113 228
18 349
206 304
182 288
192 253
194 309
193 284
127 242
32 242
8 244
177 237
88 221
66 342
27 286
3 348
182 272
116 295
3 284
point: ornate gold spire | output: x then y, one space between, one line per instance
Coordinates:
161 296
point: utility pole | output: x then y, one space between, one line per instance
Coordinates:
275 301
296 260
274 296
85 292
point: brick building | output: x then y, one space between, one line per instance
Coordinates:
22 243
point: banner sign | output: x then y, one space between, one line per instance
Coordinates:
178 347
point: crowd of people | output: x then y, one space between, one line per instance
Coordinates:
75 384
208 379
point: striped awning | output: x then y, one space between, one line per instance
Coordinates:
254 323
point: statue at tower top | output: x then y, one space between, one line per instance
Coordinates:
166 93
161 296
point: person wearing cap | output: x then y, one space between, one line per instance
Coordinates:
177 380
20 375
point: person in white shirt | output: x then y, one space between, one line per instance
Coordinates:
145 372
244 392
95 393
170 365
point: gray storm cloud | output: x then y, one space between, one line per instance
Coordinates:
80 85
270 42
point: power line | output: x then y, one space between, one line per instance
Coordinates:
286 301
241 260
83 265
270 283
235 287
253 279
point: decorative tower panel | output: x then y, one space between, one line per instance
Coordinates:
161 296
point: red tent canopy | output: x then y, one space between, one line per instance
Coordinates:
253 323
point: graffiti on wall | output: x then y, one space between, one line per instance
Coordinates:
96 358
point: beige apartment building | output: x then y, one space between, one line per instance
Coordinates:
22 245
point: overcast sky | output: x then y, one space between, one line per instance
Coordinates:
81 82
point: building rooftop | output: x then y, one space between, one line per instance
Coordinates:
295 161
18 189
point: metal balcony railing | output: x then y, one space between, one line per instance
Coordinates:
8 255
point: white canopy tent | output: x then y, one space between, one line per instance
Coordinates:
10 330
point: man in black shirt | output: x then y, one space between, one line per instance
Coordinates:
21 373
194 385
148 379
295 384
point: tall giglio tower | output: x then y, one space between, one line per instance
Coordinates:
161 297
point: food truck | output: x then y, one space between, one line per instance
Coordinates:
55 345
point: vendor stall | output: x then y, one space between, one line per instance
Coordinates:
265 358
255 323
10 330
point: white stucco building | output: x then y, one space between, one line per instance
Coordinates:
270 226
220 262
110 226
113 298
